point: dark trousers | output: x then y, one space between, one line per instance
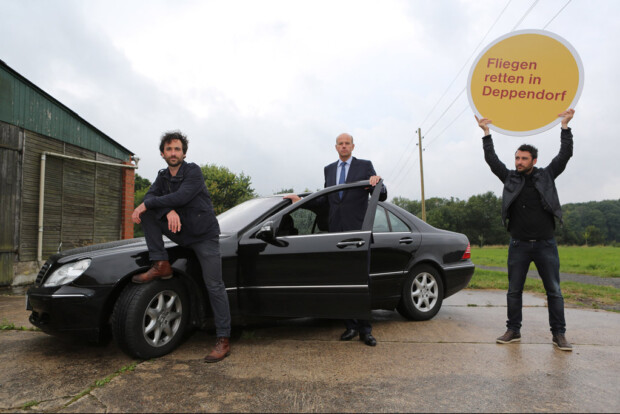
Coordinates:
544 254
209 256
363 326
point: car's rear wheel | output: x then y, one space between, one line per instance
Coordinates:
422 294
150 320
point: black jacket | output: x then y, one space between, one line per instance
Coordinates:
544 178
187 194
348 213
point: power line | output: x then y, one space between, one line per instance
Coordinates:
413 164
397 182
528 11
447 109
525 15
520 21
401 170
484 37
402 154
467 60
556 15
448 88
449 125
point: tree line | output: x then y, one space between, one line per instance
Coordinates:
591 223
479 217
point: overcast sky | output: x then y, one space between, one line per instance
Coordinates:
264 87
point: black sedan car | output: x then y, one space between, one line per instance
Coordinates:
278 260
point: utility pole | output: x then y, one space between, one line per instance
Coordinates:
421 174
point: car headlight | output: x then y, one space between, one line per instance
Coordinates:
67 273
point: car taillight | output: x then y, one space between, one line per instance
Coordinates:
467 254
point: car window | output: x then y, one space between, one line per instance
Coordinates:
386 221
381 224
397 224
312 217
303 221
245 213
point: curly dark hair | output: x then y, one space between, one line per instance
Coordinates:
172 135
529 148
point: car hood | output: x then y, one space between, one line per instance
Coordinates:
137 244
101 248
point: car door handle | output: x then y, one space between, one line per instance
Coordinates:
357 243
405 240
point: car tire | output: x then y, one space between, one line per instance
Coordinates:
150 320
422 294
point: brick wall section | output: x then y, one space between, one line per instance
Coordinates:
127 202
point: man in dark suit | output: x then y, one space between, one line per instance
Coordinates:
347 210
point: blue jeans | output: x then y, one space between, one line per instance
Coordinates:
544 254
209 256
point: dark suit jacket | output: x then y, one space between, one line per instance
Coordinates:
348 213
187 194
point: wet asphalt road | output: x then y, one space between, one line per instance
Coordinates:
448 364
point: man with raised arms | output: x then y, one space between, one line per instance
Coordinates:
530 205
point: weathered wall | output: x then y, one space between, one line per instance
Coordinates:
82 201
11 142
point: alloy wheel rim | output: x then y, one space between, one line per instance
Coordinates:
162 318
424 293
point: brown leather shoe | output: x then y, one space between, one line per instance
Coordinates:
560 341
221 350
160 269
509 337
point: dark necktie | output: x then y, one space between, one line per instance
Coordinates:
343 176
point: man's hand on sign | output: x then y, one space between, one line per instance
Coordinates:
566 117
484 124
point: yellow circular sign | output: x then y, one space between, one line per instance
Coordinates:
523 80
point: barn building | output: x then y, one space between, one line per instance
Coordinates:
63 182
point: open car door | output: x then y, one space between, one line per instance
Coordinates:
292 265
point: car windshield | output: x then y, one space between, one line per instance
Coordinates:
243 214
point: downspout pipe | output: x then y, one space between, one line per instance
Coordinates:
44 155
41 204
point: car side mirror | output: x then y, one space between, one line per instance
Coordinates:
267 232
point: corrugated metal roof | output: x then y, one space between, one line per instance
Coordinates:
25 105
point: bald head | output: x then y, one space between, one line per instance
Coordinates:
344 146
343 136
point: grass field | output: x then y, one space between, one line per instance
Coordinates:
591 296
596 261
600 261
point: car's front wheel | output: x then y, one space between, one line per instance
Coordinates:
422 294
150 320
